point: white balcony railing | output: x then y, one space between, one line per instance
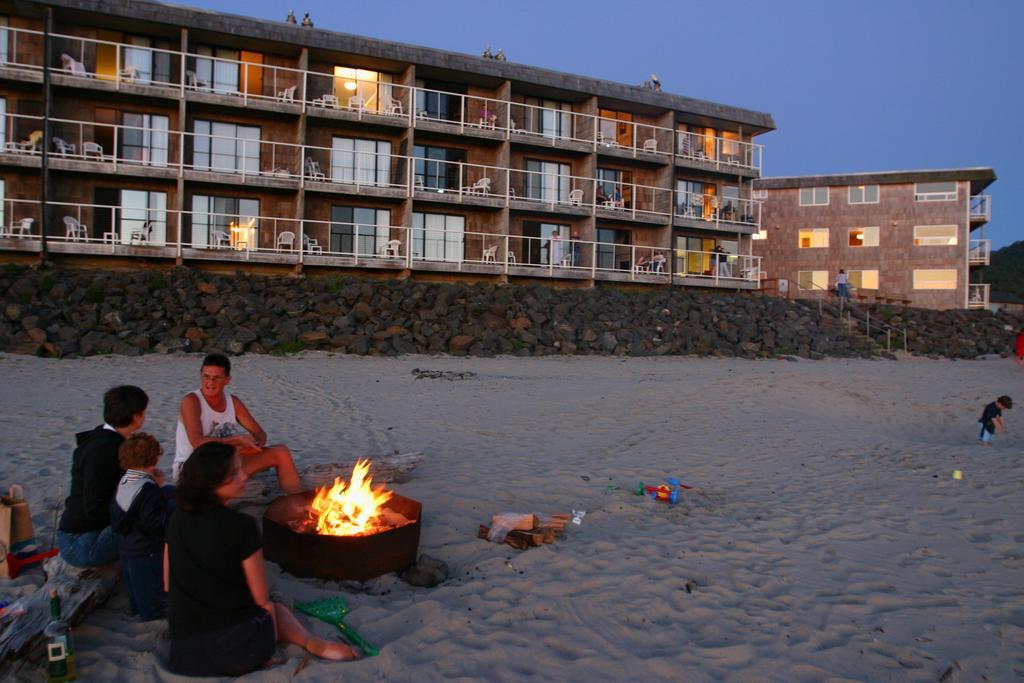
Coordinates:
981 207
980 252
99 229
79 57
977 295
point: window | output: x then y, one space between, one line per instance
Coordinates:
538 250
761 234
935 235
730 147
144 213
863 279
615 128
935 279
5 41
364 162
935 192
218 67
547 181
437 168
614 185
144 139
373 86
549 118
863 237
813 239
759 194
613 250
445 105
219 146
863 194
813 196
437 237
695 199
357 226
213 218
812 279
695 142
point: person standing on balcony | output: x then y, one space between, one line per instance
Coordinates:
575 246
212 414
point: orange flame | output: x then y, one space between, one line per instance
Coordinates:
350 510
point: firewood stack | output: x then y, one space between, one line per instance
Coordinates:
529 530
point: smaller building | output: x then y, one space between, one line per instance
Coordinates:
907 237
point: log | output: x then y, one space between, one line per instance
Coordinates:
394 468
23 636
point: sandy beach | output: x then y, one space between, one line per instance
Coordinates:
826 539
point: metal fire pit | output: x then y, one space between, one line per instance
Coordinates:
355 558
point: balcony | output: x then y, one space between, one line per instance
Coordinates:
160 233
712 212
980 252
713 153
977 296
981 208
154 72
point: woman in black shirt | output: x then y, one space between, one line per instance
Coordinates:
222 620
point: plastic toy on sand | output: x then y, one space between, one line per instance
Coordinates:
333 611
667 492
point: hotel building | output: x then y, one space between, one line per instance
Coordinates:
139 130
905 237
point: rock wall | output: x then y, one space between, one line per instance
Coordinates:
80 313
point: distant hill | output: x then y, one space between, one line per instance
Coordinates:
1006 274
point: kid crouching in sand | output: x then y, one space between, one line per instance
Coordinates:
992 419
138 514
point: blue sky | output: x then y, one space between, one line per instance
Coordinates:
866 86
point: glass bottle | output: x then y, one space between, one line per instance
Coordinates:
60 650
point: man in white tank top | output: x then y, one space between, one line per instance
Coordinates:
213 414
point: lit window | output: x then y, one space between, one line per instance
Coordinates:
813 239
813 196
863 279
863 237
935 279
812 279
864 194
935 192
935 235
760 235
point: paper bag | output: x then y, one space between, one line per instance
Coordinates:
16 532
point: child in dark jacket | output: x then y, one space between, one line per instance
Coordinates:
138 513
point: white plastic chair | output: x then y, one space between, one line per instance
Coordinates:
63 147
311 245
74 230
511 257
313 170
287 95
326 101
69 63
489 254
482 186
576 198
395 108
130 73
651 145
286 239
142 235
23 226
221 239
92 149
393 248
194 82
357 102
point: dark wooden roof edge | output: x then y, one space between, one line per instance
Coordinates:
263 29
980 178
